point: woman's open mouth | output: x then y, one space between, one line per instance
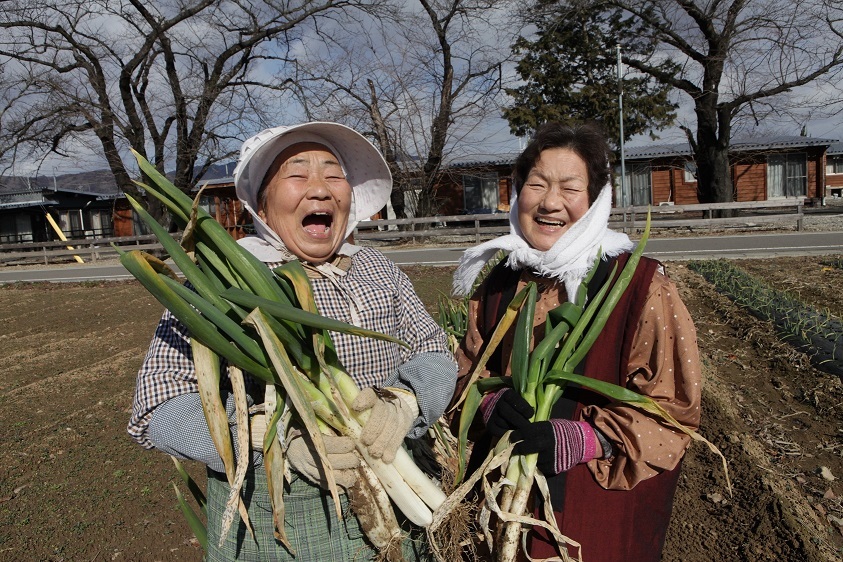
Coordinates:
550 222
318 224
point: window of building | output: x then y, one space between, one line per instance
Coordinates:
15 228
690 172
480 192
209 203
100 223
70 222
787 175
412 190
636 186
834 164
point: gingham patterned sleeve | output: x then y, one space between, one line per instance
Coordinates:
430 371
167 371
387 302
178 427
167 412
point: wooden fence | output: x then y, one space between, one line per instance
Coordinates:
459 228
626 219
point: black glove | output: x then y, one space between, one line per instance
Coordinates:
505 410
561 444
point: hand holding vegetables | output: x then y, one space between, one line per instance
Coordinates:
560 444
341 456
392 414
257 431
505 410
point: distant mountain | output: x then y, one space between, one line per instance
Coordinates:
98 181
218 171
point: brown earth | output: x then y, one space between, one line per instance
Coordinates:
74 487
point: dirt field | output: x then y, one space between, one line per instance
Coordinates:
74 487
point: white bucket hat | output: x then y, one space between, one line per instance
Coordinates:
364 166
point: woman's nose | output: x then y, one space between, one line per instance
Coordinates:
317 188
553 199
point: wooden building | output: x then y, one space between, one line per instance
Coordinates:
834 170
220 200
478 186
24 214
776 168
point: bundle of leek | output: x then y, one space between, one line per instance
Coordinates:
540 377
265 322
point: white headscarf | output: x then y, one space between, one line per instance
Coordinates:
568 260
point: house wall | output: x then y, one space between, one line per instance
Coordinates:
749 177
449 189
816 172
228 211
667 183
833 185
450 192
749 174
834 181
122 219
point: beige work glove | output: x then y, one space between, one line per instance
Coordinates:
342 457
257 429
392 413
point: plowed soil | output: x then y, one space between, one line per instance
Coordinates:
74 487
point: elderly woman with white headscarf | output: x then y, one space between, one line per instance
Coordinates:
612 470
306 187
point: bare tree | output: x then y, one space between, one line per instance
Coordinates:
738 60
177 80
420 80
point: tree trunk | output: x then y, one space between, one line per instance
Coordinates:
397 199
714 178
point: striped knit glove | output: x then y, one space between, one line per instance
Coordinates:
504 410
561 444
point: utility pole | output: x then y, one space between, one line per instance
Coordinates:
620 117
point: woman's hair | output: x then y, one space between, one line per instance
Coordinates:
586 140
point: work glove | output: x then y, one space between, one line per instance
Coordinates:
561 444
342 457
392 413
257 429
505 410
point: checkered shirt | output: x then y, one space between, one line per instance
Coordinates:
386 302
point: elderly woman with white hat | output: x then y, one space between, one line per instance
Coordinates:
306 187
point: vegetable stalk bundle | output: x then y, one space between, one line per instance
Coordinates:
265 322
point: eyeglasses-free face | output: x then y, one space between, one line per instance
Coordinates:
307 201
554 196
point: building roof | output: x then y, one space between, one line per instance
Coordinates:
771 143
669 150
20 198
473 161
835 148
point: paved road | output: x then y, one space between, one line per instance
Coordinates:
665 249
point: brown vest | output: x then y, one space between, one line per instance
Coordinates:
611 525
